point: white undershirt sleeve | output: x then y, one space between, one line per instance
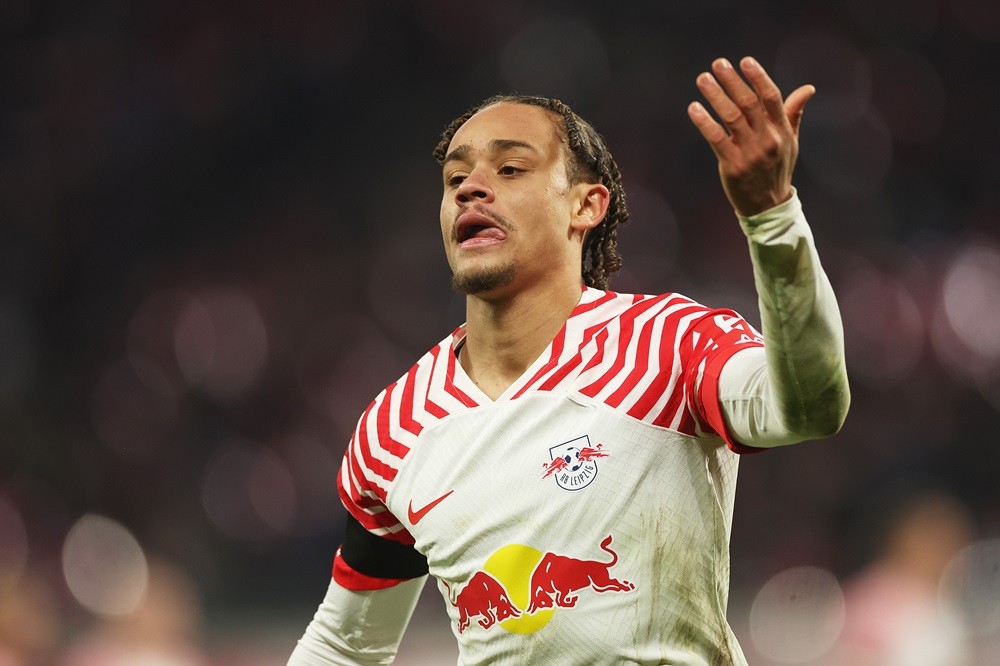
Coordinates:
796 387
358 628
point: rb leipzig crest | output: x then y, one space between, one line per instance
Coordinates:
574 463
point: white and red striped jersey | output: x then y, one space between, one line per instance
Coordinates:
584 515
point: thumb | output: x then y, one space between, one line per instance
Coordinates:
795 105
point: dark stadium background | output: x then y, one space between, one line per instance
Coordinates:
219 240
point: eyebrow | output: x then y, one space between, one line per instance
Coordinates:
495 146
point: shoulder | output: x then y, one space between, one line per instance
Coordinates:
418 397
601 306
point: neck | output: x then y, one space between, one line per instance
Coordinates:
504 336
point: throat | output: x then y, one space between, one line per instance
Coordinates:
490 378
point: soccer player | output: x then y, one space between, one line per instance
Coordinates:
564 463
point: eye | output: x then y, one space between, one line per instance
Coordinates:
455 180
510 170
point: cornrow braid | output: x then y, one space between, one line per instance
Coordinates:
589 160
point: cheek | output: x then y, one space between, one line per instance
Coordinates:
444 217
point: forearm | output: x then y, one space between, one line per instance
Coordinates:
358 628
799 390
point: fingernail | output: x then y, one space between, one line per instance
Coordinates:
751 63
724 64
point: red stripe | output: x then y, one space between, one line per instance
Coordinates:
567 367
430 406
595 360
593 305
358 474
557 348
383 426
406 420
627 320
687 424
449 384
641 365
373 464
709 399
680 396
644 405
371 521
355 580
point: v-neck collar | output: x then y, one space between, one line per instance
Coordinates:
464 382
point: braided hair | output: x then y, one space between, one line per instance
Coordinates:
588 160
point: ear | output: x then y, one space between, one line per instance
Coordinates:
589 206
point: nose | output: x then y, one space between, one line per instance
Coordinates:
474 189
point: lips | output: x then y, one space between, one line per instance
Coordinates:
474 229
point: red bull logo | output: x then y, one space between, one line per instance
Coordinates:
573 463
520 587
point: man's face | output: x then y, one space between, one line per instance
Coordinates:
506 209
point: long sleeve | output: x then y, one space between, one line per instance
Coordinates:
796 387
358 627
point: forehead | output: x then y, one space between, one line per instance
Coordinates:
519 122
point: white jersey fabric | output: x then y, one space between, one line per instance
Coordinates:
584 516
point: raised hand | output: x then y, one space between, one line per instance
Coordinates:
758 147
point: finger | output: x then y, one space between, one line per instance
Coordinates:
796 103
766 89
713 132
737 89
724 107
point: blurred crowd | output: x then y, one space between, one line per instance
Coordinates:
219 240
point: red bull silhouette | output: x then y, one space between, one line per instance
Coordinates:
557 579
590 453
556 465
486 597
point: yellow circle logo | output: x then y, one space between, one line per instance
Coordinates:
513 565
520 587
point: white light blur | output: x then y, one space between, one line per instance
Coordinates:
797 615
221 342
14 540
972 300
104 566
249 493
971 584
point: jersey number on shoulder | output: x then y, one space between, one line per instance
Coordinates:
729 323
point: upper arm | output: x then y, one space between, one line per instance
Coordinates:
375 586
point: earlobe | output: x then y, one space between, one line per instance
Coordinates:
592 205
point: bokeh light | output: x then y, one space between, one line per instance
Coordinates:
221 342
248 492
971 584
14 540
884 329
972 301
104 566
797 615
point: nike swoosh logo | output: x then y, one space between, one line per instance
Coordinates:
417 516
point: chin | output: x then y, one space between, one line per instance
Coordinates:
483 280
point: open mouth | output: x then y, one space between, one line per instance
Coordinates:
474 229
